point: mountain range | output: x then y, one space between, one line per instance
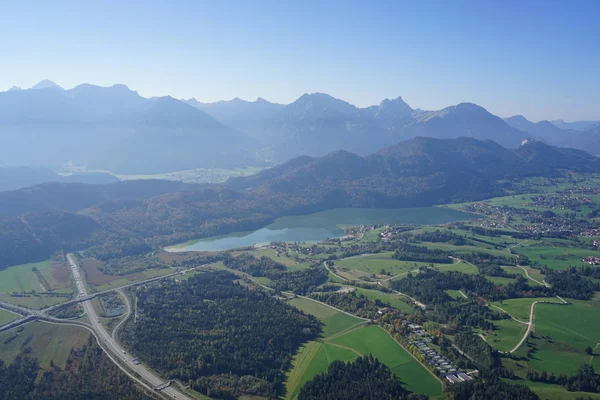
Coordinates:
114 128
131 217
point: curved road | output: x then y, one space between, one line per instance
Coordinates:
113 348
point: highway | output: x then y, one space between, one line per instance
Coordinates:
111 346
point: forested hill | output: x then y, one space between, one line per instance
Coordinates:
133 217
424 157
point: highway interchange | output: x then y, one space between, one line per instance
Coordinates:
144 376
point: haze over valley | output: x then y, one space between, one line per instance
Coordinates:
300 200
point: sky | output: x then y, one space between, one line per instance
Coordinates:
536 58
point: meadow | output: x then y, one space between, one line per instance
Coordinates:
519 308
372 264
48 342
507 334
561 335
390 298
7 316
98 281
22 278
345 338
555 257
50 285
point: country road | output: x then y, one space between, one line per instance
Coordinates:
418 303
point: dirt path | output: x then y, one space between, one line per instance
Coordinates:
346 348
531 323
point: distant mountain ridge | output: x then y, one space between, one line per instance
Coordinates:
114 128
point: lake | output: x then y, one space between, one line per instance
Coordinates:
324 225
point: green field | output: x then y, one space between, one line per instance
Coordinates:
556 257
553 392
7 316
372 264
463 267
533 273
333 321
21 278
139 276
519 308
500 280
374 340
345 339
47 342
313 359
455 294
561 335
393 299
507 334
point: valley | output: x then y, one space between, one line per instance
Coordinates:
397 284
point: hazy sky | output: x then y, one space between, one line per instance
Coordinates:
537 58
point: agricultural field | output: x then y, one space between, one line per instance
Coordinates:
556 257
7 316
561 335
50 276
345 339
360 267
533 273
507 335
98 281
519 308
36 285
390 298
465 268
556 392
44 341
333 321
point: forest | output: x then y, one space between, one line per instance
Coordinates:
350 302
585 380
89 375
223 338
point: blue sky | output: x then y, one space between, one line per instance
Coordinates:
537 58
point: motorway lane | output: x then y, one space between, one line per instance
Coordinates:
109 343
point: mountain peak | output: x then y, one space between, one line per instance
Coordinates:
391 112
46 84
14 89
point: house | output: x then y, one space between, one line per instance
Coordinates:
463 377
452 378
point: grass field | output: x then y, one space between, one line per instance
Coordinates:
344 339
393 299
374 340
21 278
534 273
7 316
362 266
333 321
313 359
519 308
561 335
460 267
556 257
555 392
47 342
455 294
507 334
98 281
500 280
